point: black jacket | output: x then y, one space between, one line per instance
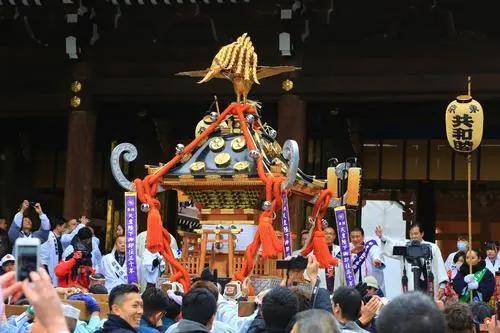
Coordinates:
189 326
115 324
486 286
5 247
322 301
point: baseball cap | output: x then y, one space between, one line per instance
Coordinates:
6 258
371 282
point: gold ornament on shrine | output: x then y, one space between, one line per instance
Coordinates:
76 86
464 124
75 101
287 85
238 63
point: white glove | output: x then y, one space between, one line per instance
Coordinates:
473 285
469 278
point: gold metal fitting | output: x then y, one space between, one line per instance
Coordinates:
287 85
222 160
76 86
241 166
217 144
197 167
75 101
238 144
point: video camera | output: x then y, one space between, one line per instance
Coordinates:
297 263
414 250
86 252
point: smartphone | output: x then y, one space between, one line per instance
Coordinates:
27 257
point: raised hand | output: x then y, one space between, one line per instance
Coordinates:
45 301
38 208
369 310
25 205
312 268
246 286
84 220
378 231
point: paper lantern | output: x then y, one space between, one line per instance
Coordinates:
332 181
464 124
353 193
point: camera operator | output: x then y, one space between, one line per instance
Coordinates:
436 264
71 239
22 225
76 268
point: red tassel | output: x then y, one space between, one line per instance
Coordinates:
271 245
321 252
154 239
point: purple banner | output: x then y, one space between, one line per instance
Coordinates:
131 235
345 249
285 224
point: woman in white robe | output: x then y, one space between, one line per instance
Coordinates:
492 259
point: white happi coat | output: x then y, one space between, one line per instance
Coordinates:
112 271
448 264
149 273
493 267
437 264
367 268
49 256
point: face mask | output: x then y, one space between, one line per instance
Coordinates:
457 265
461 246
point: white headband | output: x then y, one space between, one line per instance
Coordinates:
176 298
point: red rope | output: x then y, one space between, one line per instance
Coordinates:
317 242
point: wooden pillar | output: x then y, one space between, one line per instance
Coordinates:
79 164
292 124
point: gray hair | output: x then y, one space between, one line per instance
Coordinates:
316 321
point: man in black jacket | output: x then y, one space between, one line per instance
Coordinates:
5 246
198 312
126 309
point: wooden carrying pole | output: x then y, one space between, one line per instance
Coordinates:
469 208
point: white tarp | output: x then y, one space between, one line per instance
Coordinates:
389 215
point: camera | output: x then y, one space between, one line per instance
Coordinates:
298 263
32 203
86 252
414 250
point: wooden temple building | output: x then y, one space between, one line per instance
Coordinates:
77 78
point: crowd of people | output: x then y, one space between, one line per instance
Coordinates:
447 297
